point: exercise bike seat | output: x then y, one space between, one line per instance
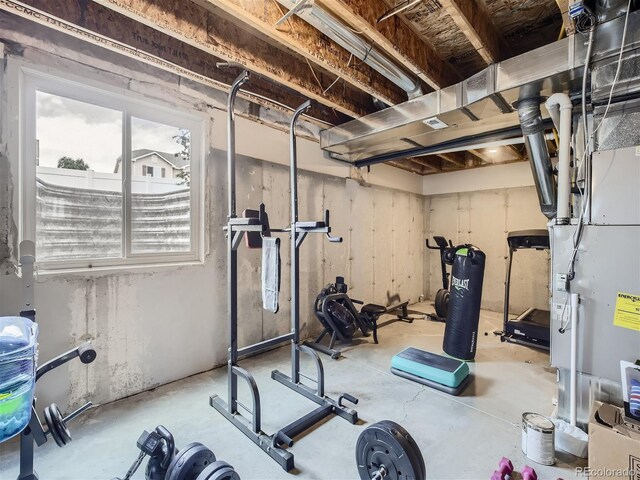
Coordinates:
373 309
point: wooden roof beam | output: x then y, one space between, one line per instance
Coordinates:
473 19
196 26
396 39
308 42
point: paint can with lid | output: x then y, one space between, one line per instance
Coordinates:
538 438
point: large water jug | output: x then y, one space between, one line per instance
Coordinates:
18 360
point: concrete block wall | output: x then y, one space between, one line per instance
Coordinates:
483 218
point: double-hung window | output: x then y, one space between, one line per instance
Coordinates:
108 179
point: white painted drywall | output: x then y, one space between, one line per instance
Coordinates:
476 179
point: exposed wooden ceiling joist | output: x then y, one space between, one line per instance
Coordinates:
426 165
498 155
109 29
420 166
472 18
480 155
408 166
563 5
455 158
308 42
198 27
396 39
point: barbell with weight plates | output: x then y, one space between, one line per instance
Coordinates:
386 450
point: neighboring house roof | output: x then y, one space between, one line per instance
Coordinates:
174 159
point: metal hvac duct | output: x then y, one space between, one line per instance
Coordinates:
536 144
482 104
350 40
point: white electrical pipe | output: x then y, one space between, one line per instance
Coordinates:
559 106
575 300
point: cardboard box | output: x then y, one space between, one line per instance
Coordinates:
612 455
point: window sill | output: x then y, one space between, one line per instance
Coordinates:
114 270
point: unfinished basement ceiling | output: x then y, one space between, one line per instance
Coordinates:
440 41
436 26
524 25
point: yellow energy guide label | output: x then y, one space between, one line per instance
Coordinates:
627 314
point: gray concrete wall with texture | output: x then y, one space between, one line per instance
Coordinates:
152 326
155 325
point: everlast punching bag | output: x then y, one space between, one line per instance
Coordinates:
467 273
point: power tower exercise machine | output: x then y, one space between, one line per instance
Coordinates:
274 445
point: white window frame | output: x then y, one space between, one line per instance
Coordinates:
30 79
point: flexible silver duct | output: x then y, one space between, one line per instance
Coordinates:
535 142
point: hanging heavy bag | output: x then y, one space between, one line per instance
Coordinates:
467 273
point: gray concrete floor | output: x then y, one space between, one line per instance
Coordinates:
460 437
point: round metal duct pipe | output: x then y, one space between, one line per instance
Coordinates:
535 142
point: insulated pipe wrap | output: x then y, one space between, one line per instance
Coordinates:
533 130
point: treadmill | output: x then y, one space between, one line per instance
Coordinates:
533 326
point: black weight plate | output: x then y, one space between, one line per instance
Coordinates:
53 431
442 302
55 422
219 471
387 443
410 444
190 462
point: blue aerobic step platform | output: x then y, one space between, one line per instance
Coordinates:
436 371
